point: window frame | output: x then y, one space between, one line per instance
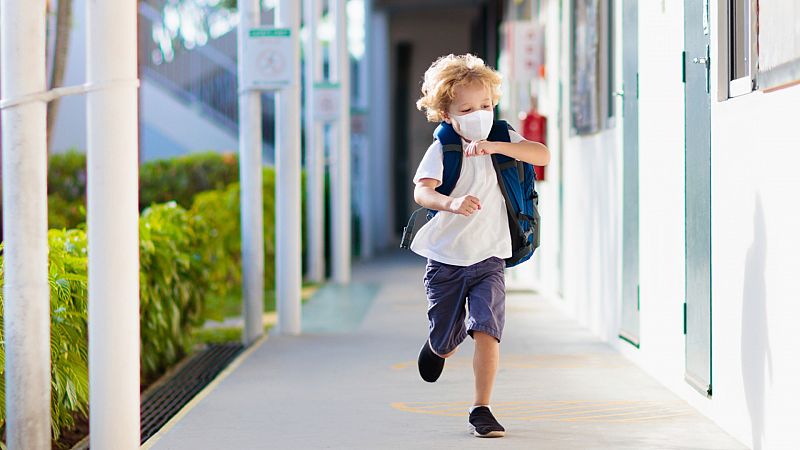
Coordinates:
736 87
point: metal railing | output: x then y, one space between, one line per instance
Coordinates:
203 77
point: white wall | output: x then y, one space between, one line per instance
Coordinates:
755 237
755 248
592 174
181 124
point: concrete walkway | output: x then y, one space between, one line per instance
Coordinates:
351 382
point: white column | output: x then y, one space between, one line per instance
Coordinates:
287 183
380 145
26 292
315 157
250 177
113 225
340 170
367 193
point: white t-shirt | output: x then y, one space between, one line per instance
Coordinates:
465 240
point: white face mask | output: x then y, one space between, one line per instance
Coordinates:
476 125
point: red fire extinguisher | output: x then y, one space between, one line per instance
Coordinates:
534 128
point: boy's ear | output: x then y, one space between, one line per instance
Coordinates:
446 118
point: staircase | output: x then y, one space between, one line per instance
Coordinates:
203 78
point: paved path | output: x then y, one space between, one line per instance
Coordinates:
351 382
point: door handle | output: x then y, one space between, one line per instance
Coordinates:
703 61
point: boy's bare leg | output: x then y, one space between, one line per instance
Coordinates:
484 364
448 354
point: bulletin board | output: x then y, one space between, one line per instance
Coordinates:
585 82
778 43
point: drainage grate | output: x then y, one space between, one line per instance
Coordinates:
164 402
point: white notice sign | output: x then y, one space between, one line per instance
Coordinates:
527 49
327 99
269 62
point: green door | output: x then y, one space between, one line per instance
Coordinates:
697 309
629 326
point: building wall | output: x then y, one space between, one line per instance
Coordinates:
755 243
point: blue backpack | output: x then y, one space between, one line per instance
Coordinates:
516 180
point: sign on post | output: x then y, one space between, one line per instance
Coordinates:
268 63
328 97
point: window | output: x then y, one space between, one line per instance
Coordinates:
778 43
741 48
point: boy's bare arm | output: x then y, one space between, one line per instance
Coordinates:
426 196
527 151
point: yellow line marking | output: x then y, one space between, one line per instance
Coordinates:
203 393
645 419
555 361
402 407
434 404
575 405
566 411
604 416
633 419
590 411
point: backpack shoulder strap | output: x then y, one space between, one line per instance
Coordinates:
499 132
452 154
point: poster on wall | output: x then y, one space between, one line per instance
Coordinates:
525 44
584 85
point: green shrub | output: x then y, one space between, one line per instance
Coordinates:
185 256
176 179
173 282
180 179
64 214
220 211
66 176
68 330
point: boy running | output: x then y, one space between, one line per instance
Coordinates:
467 241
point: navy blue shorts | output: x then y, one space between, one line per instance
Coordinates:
464 299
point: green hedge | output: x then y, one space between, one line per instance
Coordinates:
173 285
185 256
224 225
178 179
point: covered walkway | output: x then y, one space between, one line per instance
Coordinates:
350 381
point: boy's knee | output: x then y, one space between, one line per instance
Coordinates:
482 337
447 355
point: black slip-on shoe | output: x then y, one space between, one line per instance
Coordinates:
430 364
483 424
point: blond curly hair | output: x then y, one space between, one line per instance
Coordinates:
450 72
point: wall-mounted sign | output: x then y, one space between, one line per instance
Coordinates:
327 99
269 62
525 43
